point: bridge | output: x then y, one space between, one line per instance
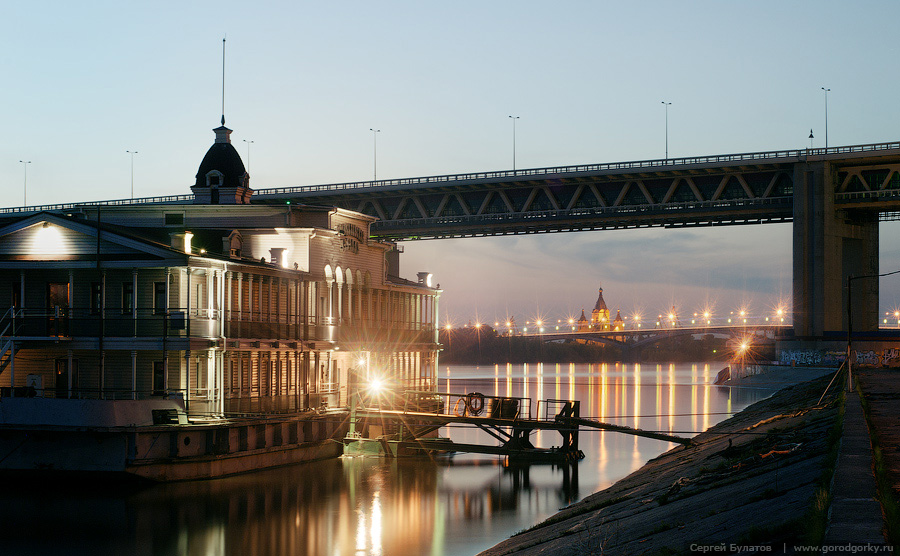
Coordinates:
835 198
640 337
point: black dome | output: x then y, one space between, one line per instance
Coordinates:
223 158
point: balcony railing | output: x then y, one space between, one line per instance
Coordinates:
174 323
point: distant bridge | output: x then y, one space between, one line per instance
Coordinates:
640 337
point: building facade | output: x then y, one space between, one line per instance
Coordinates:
226 305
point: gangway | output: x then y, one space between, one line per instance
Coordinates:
411 429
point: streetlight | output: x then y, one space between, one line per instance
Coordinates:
132 153
248 152
667 104
514 118
742 349
810 138
826 116
374 153
25 164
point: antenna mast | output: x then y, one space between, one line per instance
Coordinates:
223 80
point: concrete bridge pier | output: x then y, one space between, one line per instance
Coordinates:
829 245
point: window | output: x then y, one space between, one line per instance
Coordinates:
127 298
214 179
159 378
160 301
96 298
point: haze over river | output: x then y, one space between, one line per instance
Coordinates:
451 506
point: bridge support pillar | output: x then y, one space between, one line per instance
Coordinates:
829 246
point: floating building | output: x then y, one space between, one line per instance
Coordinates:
199 337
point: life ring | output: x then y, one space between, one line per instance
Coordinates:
475 403
465 407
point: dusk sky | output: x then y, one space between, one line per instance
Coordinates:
305 81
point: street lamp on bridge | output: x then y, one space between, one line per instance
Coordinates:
667 104
826 116
25 164
249 142
375 133
132 153
514 118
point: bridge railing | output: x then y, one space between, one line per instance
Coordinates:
167 199
782 155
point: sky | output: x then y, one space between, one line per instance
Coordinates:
307 81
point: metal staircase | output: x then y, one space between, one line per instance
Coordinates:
8 329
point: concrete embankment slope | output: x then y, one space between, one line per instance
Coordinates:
749 480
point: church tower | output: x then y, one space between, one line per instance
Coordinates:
583 322
600 314
618 322
222 178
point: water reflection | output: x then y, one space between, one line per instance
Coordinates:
355 506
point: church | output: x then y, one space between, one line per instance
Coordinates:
600 320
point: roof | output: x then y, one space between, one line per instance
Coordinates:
601 305
222 156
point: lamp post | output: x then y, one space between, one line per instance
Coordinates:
667 104
132 153
25 164
514 118
248 153
810 138
375 133
826 116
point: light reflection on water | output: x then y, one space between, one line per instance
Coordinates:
356 506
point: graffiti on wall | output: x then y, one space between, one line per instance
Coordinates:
825 358
887 357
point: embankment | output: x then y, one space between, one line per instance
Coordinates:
757 479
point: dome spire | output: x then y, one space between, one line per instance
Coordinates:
223 81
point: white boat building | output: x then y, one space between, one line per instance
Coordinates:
203 313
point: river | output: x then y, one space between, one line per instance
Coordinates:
451 506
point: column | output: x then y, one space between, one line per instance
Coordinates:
134 290
829 246
133 375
